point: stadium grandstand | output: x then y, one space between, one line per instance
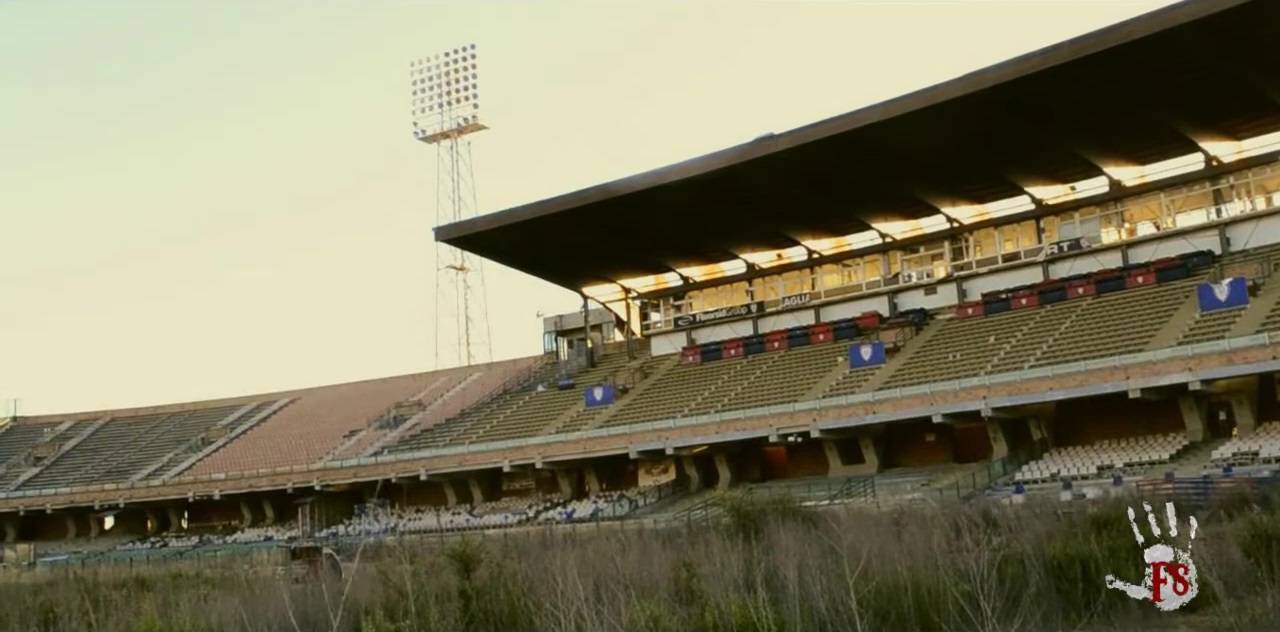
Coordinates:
1052 271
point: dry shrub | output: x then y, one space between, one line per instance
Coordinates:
773 566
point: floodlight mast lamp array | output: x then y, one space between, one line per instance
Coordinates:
445 110
445 92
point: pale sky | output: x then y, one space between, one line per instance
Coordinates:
205 199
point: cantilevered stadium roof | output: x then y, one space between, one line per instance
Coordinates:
1139 92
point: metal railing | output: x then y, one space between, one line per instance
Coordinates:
1204 491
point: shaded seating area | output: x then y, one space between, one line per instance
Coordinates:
1262 446
1103 458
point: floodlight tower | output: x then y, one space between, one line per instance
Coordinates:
445 107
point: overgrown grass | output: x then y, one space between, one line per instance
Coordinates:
770 566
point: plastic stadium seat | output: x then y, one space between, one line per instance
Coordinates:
1026 299
969 310
845 329
996 306
1140 277
691 355
1102 459
869 320
775 341
1081 288
711 352
1050 295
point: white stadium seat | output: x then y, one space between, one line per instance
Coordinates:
1103 458
1263 446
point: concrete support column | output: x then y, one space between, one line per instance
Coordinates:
999 445
246 514
565 482
10 531
175 519
477 493
691 471
836 466
1038 432
71 525
870 453
152 524
95 526
724 471
450 494
593 481
268 513
1242 410
1192 418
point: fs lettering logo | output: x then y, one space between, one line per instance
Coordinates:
1170 579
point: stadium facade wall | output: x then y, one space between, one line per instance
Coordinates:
1086 263
716 333
786 320
976 286
849 309
1178 244
664 344
1254 232
1086 421
940 295
917 444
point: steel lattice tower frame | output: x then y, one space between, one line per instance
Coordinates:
445 108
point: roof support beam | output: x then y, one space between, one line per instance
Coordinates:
751 266
886 237
810 252
684 279
955 223
626 291
1210 160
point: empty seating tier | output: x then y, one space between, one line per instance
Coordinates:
1082 329
159 469
480 415
313 425
1119 323
173 432
543 407
1271 322
1210 326
588 417
788 376
1262 446
53 444
966 347
676 392
523 412
1102 459
18 437
16 442
122 447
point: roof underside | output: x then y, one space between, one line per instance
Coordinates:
1135 93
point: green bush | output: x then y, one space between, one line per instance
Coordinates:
747 516
1259 542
